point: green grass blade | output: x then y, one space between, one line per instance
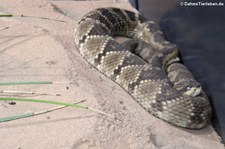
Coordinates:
30 114
45 101
10 118
6 15
24 83
11 15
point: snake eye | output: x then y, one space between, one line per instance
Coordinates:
188 88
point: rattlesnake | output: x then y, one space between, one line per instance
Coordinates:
150 79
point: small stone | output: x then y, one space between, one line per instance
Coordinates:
12 103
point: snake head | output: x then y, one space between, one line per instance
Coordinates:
193 91
188 87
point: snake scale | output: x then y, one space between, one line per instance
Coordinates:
148 78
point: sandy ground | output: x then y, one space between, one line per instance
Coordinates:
35 49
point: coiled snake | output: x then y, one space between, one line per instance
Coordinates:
148 73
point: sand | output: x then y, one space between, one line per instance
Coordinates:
34 49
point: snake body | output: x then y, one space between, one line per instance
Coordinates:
178 74
148 81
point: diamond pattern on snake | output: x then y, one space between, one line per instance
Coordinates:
147 67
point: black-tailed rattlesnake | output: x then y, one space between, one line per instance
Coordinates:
149 81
